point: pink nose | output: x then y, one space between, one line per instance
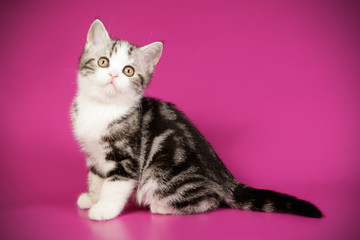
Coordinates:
113 76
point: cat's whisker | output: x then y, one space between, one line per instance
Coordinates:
71 70
148 40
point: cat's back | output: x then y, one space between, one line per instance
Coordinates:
161 112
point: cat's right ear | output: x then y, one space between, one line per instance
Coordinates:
97 34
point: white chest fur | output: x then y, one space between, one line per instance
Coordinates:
90 126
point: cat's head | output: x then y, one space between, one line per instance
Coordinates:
113 70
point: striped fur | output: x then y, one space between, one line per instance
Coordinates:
145 147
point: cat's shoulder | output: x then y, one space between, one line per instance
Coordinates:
156 103
163 109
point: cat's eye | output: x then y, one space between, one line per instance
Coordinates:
129 71
103 62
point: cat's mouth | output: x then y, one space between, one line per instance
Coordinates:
111 83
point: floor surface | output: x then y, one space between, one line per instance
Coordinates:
62 220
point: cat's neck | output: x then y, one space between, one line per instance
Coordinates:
118 106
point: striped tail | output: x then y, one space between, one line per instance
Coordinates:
248 198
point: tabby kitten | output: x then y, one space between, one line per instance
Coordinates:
142 147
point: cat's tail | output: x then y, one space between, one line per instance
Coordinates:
248 198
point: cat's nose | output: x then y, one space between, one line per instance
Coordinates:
113 76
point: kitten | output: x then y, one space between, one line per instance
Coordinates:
142 147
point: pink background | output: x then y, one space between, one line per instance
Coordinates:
273 85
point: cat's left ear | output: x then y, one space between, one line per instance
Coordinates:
150 54
97 34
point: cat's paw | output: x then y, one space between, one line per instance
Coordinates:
103 211
85 201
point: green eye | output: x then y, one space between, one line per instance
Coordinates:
129 71
103 62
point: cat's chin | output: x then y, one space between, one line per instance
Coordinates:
111 91
112 94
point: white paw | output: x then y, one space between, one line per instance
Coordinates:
103 211
85 201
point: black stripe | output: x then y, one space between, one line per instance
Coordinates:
194 201
117 178
173 187
131 49
192 191
142 80
89 61
96 172
88 68
113 48
84 66
116 154
122 173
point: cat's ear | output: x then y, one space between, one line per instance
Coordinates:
97 34
150 54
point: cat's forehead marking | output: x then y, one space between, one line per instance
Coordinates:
131 49
113 48
123 45
119 54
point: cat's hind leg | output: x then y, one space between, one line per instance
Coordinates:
159 208
185 206
202 204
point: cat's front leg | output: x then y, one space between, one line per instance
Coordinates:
88 199
114 194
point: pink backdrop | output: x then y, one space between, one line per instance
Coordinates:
273 85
